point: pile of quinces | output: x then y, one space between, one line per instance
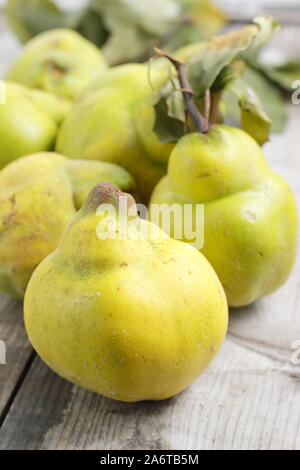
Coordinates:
140 317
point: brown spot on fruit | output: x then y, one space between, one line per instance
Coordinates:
57 70
203 175
12 200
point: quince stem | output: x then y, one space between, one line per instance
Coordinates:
215 105
188 94
207 107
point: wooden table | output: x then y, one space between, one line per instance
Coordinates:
248 399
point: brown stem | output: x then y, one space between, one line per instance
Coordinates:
216 99
186 121
207 106
187 91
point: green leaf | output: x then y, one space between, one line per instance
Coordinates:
134 26
199 20
204 15
212 56
90 25
127 45
169 112
166 127
128 28
271 98
248 111
286 74
254 119
227 75
216 65
283 75
137 26
27 18
268 26
152 17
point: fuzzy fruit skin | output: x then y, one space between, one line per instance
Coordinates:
250 212
29 121
114 118
129 319
59 61
39 194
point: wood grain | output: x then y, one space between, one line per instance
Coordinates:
246 400
18 350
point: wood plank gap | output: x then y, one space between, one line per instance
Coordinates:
17 387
